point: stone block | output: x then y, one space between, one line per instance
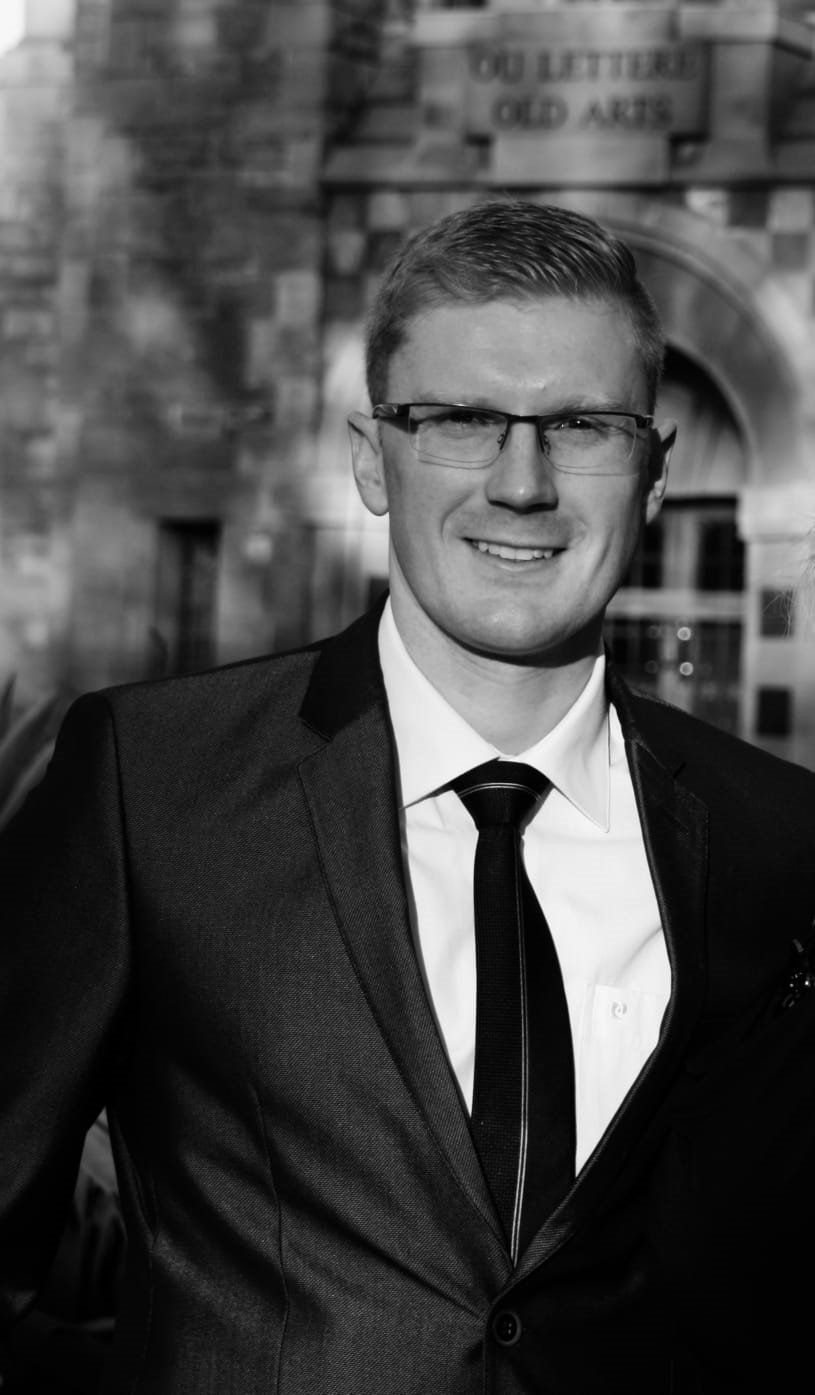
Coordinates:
393 76
749 208
347 210
386 210
739 103
299 295
382 248
746 22
37 65
14 234
506 21
292 162
50 19
730 162
26 323
24 404
792 251
609 160
297 401
443 76
28 268
791 209
794 160
195 31
435 157
344 298
301 82
425 206
294 24
757 240
261 349
712 204
346 249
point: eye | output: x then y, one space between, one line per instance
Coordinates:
464 420
468 416
579 425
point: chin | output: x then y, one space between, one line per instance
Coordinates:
525 646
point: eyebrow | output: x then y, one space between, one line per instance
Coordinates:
571 404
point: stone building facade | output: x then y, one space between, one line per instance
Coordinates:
198 198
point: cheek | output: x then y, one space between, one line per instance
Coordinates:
420 508
414 532
619 524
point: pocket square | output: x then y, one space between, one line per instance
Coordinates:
801 974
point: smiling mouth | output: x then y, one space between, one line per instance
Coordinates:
514 554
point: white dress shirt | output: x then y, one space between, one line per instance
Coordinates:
584 855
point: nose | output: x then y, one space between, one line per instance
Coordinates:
522 476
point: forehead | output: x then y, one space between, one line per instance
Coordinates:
457 351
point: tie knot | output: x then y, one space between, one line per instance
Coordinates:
500 792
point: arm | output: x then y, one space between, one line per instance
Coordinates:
64 965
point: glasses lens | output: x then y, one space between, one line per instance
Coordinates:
450 435
601 445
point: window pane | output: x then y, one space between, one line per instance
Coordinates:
185 593
635 645
717 687
774 715
720 565
693 544
646 568
776 614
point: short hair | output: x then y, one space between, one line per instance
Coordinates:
508 249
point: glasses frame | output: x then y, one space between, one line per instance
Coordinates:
399 414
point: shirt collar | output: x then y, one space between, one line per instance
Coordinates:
437 745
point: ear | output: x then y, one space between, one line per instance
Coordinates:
663 439
367 462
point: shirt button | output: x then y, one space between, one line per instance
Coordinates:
506 1327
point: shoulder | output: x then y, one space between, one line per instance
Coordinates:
198 716
263 678
706 758
277 707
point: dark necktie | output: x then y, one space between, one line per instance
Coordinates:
522 1117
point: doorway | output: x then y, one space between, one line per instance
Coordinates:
676 627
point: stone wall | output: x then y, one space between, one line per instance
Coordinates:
36 98
161 300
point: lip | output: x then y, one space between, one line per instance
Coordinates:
516 552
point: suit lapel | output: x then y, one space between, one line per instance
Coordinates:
674 824
350 786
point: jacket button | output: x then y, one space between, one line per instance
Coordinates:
506 1327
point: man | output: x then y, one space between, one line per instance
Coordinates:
397 1106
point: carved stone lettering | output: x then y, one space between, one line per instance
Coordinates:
530 113
628 114
637 88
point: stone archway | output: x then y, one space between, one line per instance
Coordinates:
682 625
722 309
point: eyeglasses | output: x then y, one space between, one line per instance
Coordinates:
587 443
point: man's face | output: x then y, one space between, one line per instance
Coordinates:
461 573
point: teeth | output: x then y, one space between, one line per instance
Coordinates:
515 554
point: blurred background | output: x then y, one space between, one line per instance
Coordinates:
197 198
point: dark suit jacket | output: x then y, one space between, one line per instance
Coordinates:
206 929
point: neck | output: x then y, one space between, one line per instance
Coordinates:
511 704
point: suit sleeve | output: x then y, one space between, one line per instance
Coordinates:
64 968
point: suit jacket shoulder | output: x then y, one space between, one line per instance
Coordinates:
290 698
710 761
